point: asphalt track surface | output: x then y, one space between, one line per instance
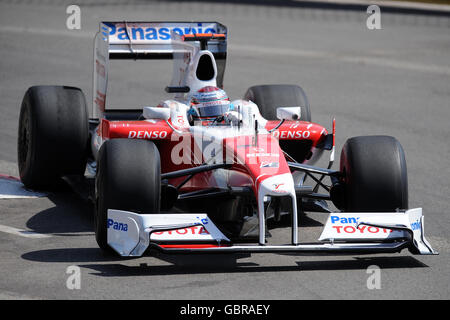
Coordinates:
393 81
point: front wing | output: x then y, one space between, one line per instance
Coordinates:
130 234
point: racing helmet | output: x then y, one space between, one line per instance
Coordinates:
208 103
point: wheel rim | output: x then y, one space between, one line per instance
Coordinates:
24 139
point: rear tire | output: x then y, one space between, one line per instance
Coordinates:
53 135
375 174
128 178
269 97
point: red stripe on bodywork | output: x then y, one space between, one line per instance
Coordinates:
191 246
135 130
250 155
298 130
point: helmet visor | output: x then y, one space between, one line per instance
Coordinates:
211 110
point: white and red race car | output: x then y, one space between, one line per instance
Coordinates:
164 181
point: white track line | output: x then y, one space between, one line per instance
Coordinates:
12 188
23 233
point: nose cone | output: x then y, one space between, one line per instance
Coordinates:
277 185
263 160
260 158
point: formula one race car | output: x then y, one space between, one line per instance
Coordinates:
203 173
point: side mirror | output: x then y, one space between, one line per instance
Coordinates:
288 113
156 113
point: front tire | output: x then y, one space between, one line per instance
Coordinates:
375 174
128 178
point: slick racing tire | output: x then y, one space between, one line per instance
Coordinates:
269 97
374 174
53 135
128 178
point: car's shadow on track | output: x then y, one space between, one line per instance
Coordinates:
71 216
210 265
164 264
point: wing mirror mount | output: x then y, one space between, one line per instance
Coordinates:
287 113
159 114
156 113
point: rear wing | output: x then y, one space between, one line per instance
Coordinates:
150 40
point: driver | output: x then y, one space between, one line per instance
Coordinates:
212 105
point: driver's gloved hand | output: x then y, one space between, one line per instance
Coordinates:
233 117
